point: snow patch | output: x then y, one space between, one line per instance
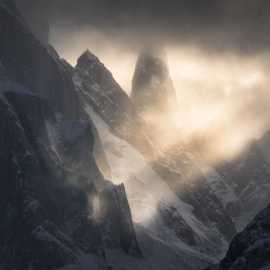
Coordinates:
146 191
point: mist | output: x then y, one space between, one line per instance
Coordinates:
218 54
223 96
135 134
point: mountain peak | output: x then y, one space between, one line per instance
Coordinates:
152 61
88 57
152 87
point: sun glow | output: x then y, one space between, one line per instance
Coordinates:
222 107
219 96
223 98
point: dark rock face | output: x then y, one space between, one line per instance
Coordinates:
177 170
115 207
48 173
250 249
176 223
152 88
95 77
28 63
249 177
100 91
264 144
34 189
28 192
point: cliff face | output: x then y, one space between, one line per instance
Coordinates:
248 175
152 87
30 64
48 172
98 89
249 250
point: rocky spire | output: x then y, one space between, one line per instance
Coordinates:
152 86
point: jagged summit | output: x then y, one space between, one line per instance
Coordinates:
87 57
99 88
152 86
154 58
90 65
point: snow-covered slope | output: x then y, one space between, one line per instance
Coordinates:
152 201
100 91
223 191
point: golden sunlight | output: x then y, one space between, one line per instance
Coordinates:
222 97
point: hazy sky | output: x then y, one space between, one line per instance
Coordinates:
113 27
218 52
216 24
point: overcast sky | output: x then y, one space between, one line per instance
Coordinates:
214 24
218 52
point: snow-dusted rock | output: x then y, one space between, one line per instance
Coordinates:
98 89
250 249
153 204
48 172
249 177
